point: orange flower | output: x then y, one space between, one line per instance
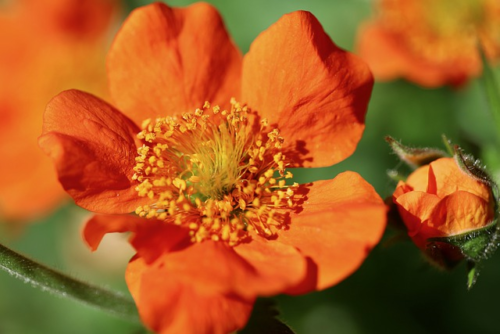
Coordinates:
217 221
45 47
439 200
430 42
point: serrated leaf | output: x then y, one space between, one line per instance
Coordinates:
264 320
414 157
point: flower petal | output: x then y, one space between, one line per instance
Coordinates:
460 212
260 267
93 147
99 225
419 179
380 52
19 199
415 209
169 304
389 58
153 238
170 61
278 266
342 219
445 177
316 93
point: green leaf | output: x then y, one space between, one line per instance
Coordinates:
264 320
50 280
414 157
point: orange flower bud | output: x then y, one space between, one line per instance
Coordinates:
440 200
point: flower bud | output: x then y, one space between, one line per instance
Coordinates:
449 214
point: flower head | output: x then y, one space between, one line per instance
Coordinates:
201 154
45 47
440 200
430 42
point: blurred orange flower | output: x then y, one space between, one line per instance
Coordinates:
439 200
217 221
430 42
46 46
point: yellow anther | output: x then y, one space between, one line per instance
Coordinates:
194 179
179 183
145 123
225 232
215 177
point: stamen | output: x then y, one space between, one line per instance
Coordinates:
208 172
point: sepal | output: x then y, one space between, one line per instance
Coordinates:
474 246
473 167
413 156
264 320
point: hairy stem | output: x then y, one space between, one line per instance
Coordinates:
50 280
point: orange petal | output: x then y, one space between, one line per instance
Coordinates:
99 225
341 221
460 212
316 93
78 19
259 267
278 266
419 179
169 304
170 61
415 208
389 58
380 52
151 238
401 188
19 197
92 145
215 267
445 177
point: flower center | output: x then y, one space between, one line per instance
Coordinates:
212 172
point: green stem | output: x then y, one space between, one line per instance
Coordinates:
492 90
59 284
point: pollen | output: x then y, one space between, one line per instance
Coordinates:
215 173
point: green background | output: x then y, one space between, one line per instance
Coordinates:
394 291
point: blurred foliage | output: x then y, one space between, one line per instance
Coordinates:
394 291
